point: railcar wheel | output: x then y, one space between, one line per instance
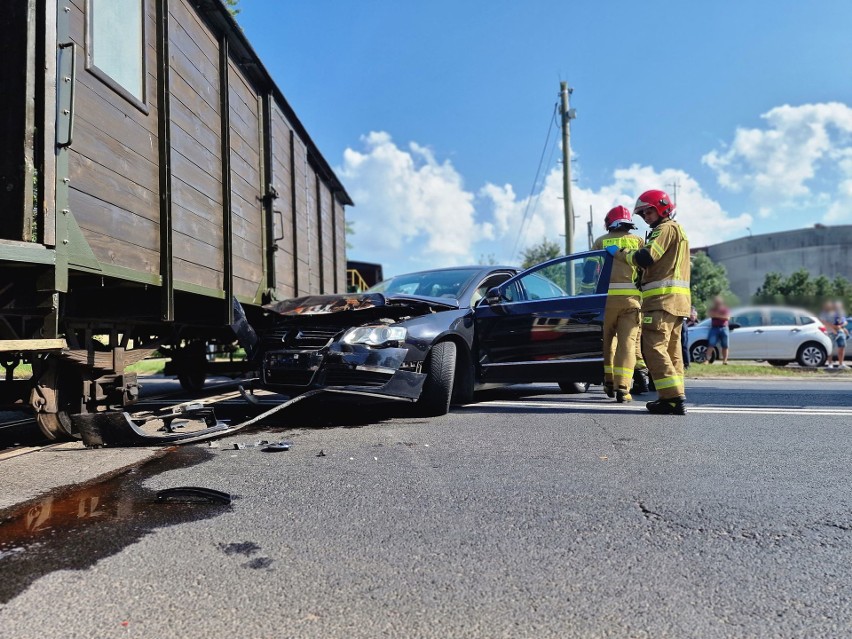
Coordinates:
192 370
56 426
192 380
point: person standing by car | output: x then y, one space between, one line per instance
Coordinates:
623 304
666 298
840 333
719 333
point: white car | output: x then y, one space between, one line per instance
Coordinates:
776 334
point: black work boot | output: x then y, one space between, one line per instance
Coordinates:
641 381
673 406
623 395
609 389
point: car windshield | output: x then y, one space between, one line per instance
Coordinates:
445 283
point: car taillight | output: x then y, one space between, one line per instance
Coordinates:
822 328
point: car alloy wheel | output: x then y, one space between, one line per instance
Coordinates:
812 355
701 353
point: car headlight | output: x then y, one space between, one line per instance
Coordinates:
374 335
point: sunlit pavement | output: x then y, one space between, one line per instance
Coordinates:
528 514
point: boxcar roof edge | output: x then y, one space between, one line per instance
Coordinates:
217 15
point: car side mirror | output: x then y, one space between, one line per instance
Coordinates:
493 296
733 325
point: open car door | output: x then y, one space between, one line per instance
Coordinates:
546 323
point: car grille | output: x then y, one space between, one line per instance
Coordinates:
347 377
285 377
301 337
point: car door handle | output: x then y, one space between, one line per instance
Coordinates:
795 330
587 315
758 331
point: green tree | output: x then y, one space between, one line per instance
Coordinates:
541 252
708 280
800 289
232 7
349 231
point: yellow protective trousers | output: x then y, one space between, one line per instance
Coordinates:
661 345
620 337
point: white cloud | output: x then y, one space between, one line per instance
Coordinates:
702 217
787 163
410 207
413 211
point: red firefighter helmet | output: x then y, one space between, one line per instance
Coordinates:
657 200
618 216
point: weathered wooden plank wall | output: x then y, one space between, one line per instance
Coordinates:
196 151
282 176
114 180
113 162
246 185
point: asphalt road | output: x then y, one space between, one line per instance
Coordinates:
529 514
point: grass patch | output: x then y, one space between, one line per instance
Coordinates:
755 369
145 367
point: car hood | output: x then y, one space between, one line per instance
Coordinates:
358 302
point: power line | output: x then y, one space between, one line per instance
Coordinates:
550 128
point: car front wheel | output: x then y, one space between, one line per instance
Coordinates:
811 355
440 368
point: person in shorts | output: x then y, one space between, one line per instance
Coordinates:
841 333
719 335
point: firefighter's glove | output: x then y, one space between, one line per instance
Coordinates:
612 250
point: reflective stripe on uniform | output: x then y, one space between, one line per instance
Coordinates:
665 284
669 382
624 289
655 250
608 369
624 372
669 290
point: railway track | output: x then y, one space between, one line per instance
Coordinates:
21 435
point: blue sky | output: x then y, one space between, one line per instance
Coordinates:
435 113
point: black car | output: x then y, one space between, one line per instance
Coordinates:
436 336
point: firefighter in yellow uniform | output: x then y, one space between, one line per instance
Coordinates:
666 299
623 305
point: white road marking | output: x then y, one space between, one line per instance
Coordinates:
639 407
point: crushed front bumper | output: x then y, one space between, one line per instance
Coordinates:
352 370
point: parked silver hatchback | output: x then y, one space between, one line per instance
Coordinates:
777 334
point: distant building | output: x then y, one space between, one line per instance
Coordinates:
822 250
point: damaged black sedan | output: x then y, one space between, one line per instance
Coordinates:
434 337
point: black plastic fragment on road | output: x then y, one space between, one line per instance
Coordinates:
277 447
193 493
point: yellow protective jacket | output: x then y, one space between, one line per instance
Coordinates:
623 281
664 261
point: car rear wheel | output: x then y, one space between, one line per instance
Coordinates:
440 368
701 353
574 388
811 355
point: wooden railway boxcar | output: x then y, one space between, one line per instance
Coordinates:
151 175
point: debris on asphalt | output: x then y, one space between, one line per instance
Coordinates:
193 493
248 396
277 447
321 453
239 446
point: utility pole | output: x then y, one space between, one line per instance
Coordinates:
568 114
675 185
591 230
